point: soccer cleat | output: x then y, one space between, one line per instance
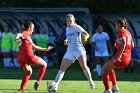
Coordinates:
115 88
36 84
92 85
22 91
108 91
48 85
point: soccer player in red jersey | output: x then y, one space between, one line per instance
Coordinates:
121 59
26 56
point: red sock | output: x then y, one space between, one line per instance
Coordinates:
112 76
41 73
105 78
24 81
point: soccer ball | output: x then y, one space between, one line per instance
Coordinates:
52 87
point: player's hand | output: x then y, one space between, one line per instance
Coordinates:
65 42
50 47
86 37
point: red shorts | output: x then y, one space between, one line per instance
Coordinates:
25 61
121 63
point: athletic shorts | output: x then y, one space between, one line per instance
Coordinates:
120 64
25 61
73 55
102 53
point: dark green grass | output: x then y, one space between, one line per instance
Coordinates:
74 81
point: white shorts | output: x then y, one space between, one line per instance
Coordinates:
102 53
73 55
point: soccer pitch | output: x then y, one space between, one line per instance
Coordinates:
74 81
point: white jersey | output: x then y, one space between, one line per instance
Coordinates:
73 35
100 40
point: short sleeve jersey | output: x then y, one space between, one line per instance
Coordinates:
25 46
127 51
73 35
100 40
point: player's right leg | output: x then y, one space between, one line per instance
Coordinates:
28 72
105 75
64 65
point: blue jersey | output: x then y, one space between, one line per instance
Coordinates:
73 35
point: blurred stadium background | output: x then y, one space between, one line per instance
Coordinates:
50 15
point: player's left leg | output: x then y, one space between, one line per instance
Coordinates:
41 71
108 74
86 70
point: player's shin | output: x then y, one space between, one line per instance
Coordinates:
41 73
105 78
24 81
89 77
59 77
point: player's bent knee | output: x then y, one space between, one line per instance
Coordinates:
29 72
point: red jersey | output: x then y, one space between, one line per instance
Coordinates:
126 55
26 54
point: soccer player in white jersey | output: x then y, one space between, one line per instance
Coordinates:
75 50
101 44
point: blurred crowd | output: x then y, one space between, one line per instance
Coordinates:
44 37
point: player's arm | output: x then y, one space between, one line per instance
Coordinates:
18 36
86 35
109 46
122 41
94 45
132 43
38 48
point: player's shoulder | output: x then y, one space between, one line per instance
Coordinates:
77 26
104 33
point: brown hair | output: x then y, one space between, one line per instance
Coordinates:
122 21
26 24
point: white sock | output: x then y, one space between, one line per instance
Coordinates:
98 70
4 61
88 74
16 63
59 77
8 62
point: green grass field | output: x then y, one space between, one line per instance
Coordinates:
74 81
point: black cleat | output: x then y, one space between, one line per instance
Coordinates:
36 84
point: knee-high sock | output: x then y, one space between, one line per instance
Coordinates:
24 81
9 62
105 78
59 77
4 62
41 72
88 74
112 76
98 69
16 63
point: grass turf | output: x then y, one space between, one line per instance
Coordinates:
74 81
